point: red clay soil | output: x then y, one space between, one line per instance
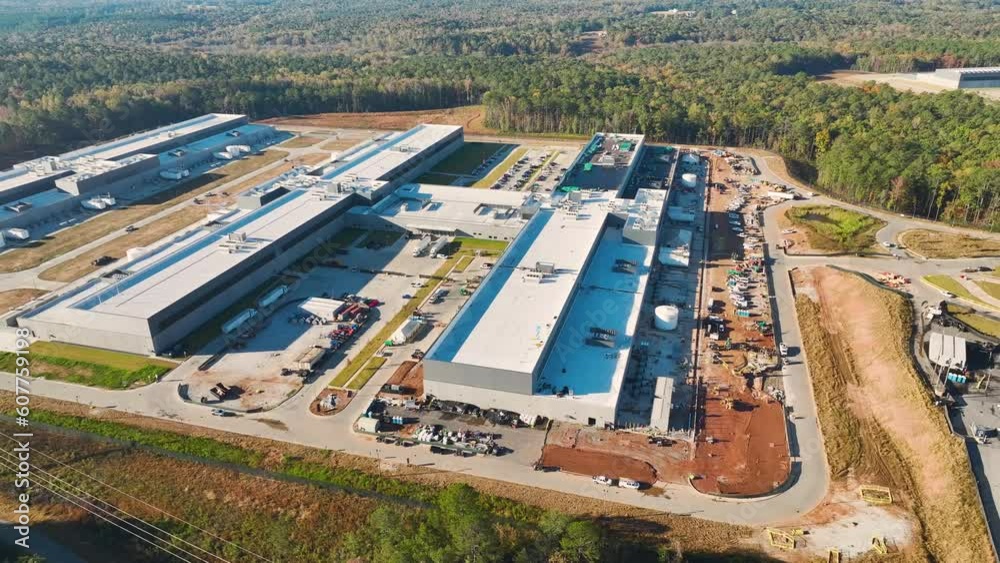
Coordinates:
671 463
597 463
409 374
749 453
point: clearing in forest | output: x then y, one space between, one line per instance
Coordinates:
879 425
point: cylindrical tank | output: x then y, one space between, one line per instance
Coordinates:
665 317
689 180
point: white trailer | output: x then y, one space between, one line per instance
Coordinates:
438 245
422 246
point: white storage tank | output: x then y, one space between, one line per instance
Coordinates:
665 317
689 180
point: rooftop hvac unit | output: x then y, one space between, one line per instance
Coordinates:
602 340
237 237
545 267
604 331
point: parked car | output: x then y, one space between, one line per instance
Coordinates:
783 349
604 480
629 484
948 294
220 412
131 228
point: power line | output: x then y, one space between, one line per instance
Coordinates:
40 483
158 509
50 485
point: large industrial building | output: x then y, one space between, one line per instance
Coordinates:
550 329
151 302
33 192
962 78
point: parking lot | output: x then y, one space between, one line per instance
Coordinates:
538 171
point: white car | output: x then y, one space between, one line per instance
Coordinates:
783 349
604 480
948 294
626 483
888 244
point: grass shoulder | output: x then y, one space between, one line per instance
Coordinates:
93 367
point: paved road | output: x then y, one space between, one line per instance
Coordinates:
301 427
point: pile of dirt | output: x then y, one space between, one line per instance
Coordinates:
878 422
588 462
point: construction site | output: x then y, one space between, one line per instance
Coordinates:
612 327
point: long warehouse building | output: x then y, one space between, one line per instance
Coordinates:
550 330
149 304
35 192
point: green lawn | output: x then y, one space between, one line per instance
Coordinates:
366 373
991 288
472 244
88 366
463 263
952 285
470 155
834 228
498 170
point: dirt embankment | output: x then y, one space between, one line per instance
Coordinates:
879 426
469 117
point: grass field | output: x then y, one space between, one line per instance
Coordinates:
499 170
473 244
879 425
74 237
835 229
463 263
14 298
300 142
469 156
992 288
951 285
937 244
339 144
982 323
278 520
89 366
366 373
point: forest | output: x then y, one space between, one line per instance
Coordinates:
733 72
